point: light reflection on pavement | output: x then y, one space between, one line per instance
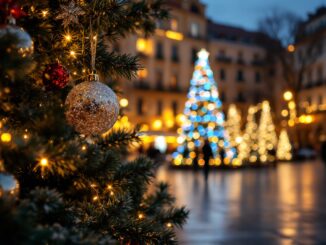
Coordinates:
283 205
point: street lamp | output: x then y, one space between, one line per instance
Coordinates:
288 95
124 102
291 48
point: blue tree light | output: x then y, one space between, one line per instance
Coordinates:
204 119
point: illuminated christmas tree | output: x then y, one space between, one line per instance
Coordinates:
248 149
267 138
204 119
233 126
284 147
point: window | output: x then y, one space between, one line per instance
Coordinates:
142 74
159 50
240 76
309 101
175 53
320 100
159 79
223 96
159 108
320 75
174 82
144 46
309 78
193 55
222 75
240 97
174 24
240 58
194 29
175 107
257 77
194 9
140 104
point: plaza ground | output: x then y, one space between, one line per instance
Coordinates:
282 205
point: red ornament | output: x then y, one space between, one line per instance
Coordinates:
55 76
10 8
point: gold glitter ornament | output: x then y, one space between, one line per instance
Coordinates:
92 108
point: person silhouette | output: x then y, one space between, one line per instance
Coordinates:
195 161
208 153
222 155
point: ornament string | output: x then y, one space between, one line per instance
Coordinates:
93 43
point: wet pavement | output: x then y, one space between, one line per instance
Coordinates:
283 205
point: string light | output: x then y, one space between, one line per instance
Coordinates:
72 53
95 198
68 37
141 216
169 225
84 148
44 162
44 13
25 136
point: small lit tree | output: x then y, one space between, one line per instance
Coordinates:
267 138
248 149
284 147
233 126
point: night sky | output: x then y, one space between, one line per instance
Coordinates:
246 13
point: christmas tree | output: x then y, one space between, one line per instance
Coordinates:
248 149
233 126
61 181
284 147
267 138
204 119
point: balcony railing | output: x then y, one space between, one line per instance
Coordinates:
144 85
223 59
258 63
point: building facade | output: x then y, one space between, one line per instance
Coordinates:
157 97
312 97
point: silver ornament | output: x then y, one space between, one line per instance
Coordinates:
9 186
92 108
22 42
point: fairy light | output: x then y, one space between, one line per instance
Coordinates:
84 148
95 198
45 13
169 225
141 216
25 136
68 37
44 162
72 53
110 187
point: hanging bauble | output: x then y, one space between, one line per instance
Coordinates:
16 47
19 41
92 108
9 185
55 76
